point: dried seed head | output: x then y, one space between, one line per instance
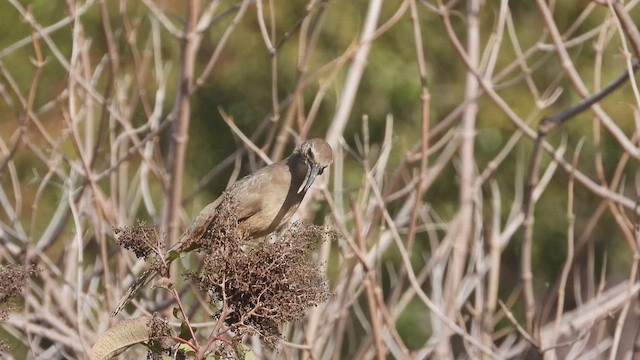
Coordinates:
267 284
141 238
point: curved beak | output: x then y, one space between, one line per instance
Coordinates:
312 171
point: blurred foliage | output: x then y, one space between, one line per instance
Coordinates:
241 85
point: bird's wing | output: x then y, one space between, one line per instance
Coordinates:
253 190
248 192
199 227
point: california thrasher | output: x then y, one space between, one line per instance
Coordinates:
264 200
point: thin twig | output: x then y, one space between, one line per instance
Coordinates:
181 115
370 284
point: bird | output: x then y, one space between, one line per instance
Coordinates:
264 201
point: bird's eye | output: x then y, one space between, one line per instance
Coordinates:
310 153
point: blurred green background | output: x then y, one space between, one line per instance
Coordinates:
241 85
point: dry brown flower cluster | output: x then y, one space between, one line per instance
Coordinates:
263 285
12 281
159 330
142 238
224 233
255 286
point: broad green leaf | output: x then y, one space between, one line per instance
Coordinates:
184 332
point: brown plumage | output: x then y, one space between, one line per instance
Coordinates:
264 200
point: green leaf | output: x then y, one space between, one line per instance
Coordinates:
173 254
249 354
185 333
186 349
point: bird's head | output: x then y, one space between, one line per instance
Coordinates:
317 155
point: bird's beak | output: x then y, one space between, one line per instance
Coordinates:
312 172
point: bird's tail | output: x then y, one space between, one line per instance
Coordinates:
141 282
